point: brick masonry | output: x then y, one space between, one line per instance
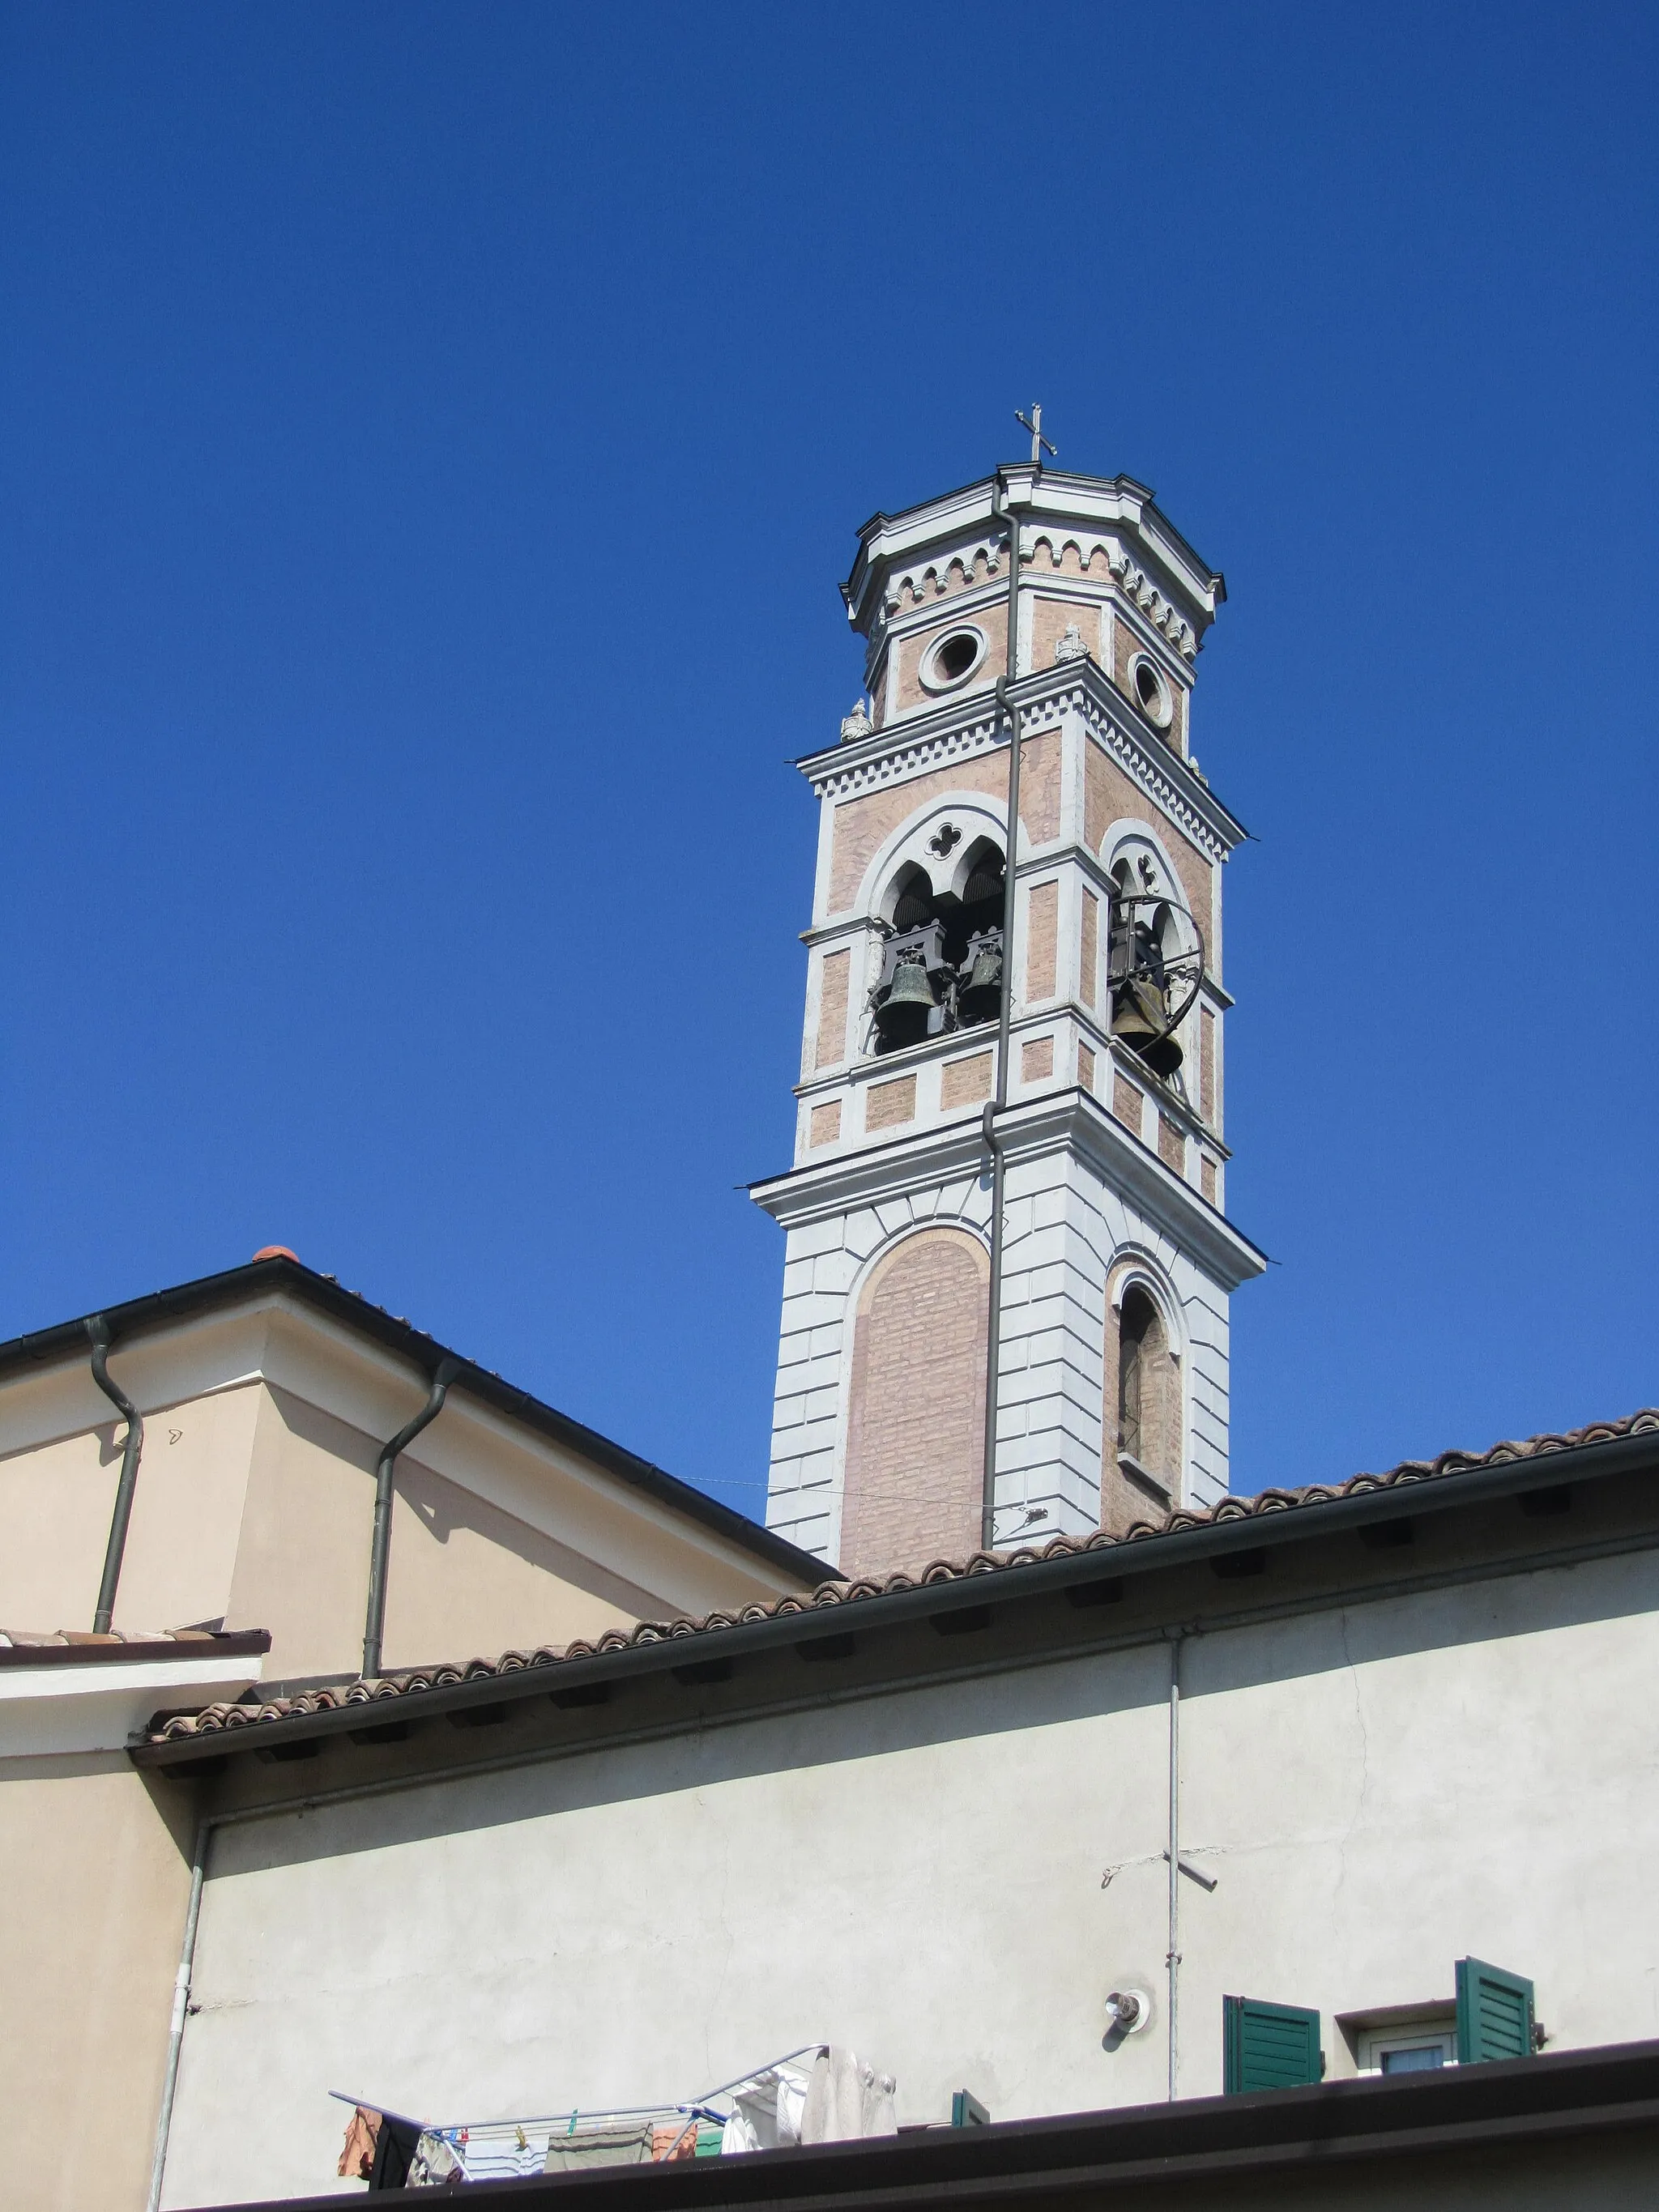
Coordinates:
862 825
1050 619
1127 649
886 1105
1089 962
916 1411
1127 1103
965 1082
1037 1060
1041 941
1086 1067
1206 1066
1039 787
825 1124
912 649
832 1010
1171 1145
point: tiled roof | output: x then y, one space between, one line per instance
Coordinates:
35 1647
835 1596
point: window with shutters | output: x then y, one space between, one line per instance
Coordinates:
1410 2046
1491 2017
1268 2047
1495 2017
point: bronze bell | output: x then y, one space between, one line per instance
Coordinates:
1139 1016
903 1016
979 995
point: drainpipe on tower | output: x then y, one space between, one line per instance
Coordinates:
996 1104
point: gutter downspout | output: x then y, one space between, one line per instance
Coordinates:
98 1331
995 1105
1172 1961
380 1552
180 2012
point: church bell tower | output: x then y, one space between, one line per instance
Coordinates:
1052 1038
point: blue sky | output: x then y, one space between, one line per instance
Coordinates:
432 438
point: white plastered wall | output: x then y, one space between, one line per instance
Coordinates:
950 1879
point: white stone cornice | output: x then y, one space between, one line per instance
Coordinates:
927 741
1067 1120
884 759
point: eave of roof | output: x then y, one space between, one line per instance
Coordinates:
69 1646
1272 1517
67 1340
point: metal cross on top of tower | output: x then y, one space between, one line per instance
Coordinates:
1039 443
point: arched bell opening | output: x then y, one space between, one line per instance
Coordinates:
1155 965
942 960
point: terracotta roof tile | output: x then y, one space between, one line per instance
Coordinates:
829 1596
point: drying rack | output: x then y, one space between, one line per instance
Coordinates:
501 2150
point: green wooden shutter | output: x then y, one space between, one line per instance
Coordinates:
1494 2012
1268 2047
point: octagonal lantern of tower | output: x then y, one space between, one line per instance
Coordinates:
1118 1260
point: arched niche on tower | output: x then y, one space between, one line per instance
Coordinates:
915 1414
1144 1410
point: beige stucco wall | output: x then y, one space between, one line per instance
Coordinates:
468 1578
255 1502
55 1503
302 1560
55 1498
97 1876
951 1879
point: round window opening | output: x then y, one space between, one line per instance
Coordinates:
952 659
1153 694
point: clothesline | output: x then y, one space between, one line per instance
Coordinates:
830 2099
590 2115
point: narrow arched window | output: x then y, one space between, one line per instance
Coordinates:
1138 1316
1148 1397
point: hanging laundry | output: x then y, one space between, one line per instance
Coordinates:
767 2107
585 2148
362 2135
436 2163
678 2139
847 2101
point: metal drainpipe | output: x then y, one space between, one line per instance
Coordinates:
380 1552
994 1106
1173 1960
180 2012
98 1331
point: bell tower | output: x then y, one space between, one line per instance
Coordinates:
1037 1021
